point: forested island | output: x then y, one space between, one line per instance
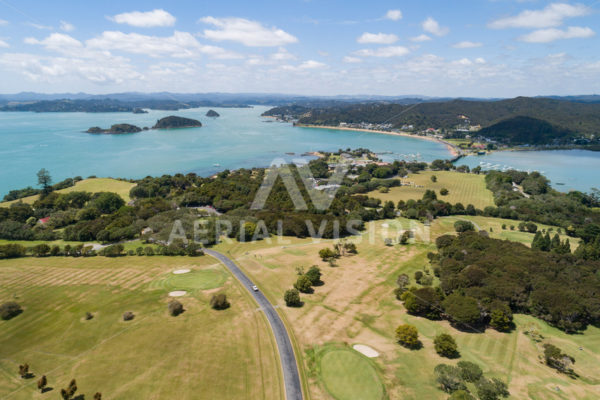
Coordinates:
172 122
212 113
116 129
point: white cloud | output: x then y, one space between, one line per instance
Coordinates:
552 34
351 60
421 38
146 19
60 43
3 44
394 15
480 60
385 52
323 53
432 26
3 22
551 16
39 26
379 38
282 55
467 45
179 45
65 26
249 33
116 70
312 64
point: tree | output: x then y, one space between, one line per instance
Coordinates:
98 396
327 254
558 360
501 317
314 274
408 336
405 237
461 395
433 178
425 302
42 383
463 310
44 180
24 370
418 276
448 377
303 284
292 298
469 371
68 393
10 310
463 226
445 345
175 308
444 192
219 301
491 389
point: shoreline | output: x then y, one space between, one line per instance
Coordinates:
454 151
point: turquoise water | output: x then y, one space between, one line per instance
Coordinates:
239 138
566 169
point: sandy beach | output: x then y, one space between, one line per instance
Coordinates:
451 148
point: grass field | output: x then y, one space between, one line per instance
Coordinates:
463 188
93 185
201 354
356 305
348 375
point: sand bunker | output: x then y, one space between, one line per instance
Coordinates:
385 225
177 293
181 271
366 350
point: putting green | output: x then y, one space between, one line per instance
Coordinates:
347 375
203 279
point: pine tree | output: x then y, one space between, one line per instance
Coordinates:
41 383
555 244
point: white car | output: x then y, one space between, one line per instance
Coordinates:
255 288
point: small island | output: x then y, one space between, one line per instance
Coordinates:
172 122
139 111
212 113
116 129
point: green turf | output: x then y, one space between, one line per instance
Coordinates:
201 354
204 279
348 375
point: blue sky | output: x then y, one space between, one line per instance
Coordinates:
484 48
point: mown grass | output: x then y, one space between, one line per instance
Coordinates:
201 354
348 375
463 188
93 185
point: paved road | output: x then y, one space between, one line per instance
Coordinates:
293 389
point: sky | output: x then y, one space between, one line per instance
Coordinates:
479 48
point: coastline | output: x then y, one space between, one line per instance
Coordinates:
451 148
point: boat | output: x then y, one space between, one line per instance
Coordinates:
216 165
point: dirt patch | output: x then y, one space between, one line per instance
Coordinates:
181 271
177 293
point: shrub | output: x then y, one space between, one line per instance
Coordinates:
314 274
418 276
175 308
444 192
128 316
292 298
558 360
445 345
463 226
491 389
461 395
327 254
10 310
42 383
501 317
408 336
469 371
148 251
98 396
303 284
427 280
88 315
219 301
448 377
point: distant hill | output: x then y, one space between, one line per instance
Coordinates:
526 130
577 117
212 113
172 122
